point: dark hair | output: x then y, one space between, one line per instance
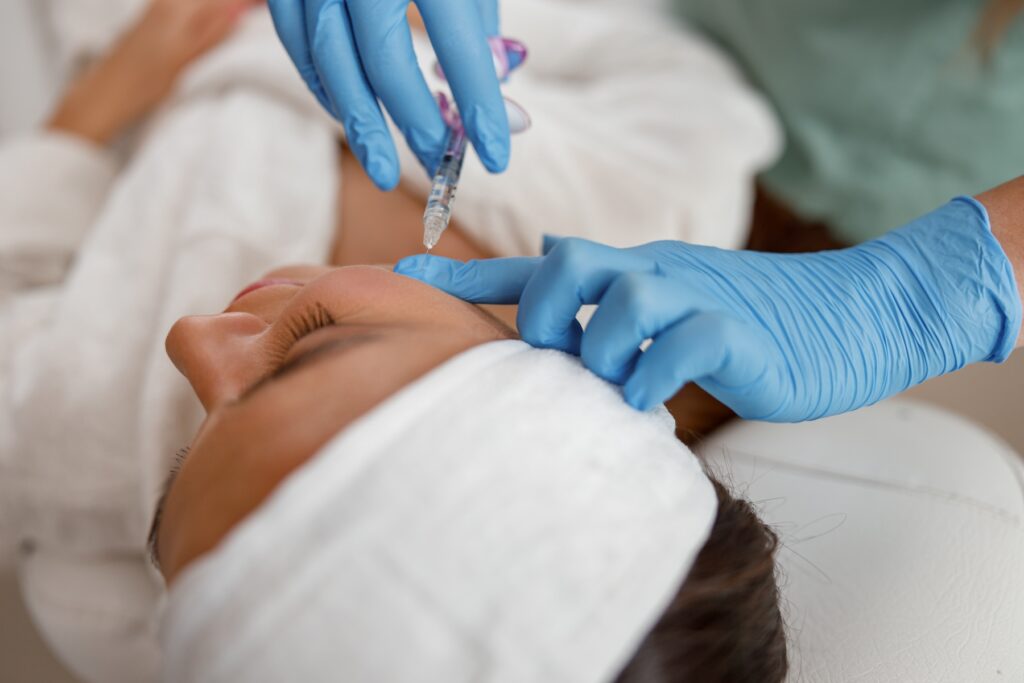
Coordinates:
724 624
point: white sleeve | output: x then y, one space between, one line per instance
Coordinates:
52 187
642 131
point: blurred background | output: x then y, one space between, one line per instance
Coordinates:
28 77
29 81
28 84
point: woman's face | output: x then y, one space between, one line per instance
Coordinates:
292 361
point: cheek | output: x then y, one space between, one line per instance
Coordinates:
346 387
358 381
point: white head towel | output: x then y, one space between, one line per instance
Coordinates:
505 519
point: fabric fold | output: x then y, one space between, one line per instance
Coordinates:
506 518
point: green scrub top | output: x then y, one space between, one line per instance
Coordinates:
888 108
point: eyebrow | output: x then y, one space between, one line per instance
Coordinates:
323 351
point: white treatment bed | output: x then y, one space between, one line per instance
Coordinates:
903 534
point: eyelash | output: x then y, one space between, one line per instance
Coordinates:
179 460
311 320
154 527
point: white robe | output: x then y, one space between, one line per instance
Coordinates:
640 134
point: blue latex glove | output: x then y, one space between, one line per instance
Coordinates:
353 52
775 337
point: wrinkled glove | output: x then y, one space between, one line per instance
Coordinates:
779 337
353 52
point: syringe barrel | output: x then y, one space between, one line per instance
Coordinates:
442 193
448 172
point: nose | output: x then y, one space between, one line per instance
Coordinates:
218 354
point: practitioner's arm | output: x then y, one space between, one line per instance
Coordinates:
1005 205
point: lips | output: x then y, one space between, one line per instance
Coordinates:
268 282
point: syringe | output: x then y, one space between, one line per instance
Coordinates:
442 194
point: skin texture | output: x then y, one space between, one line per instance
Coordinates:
391 330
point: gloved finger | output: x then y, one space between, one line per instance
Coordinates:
489 16
290 22
384 40
636 307
488 281
549 243
576 272
355 104
459 37
716 347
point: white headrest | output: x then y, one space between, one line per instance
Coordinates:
902 530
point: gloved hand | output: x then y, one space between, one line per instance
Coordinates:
775 337
352 52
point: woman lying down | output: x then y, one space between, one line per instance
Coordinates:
150 197
389 486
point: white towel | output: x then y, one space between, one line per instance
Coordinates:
507 518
